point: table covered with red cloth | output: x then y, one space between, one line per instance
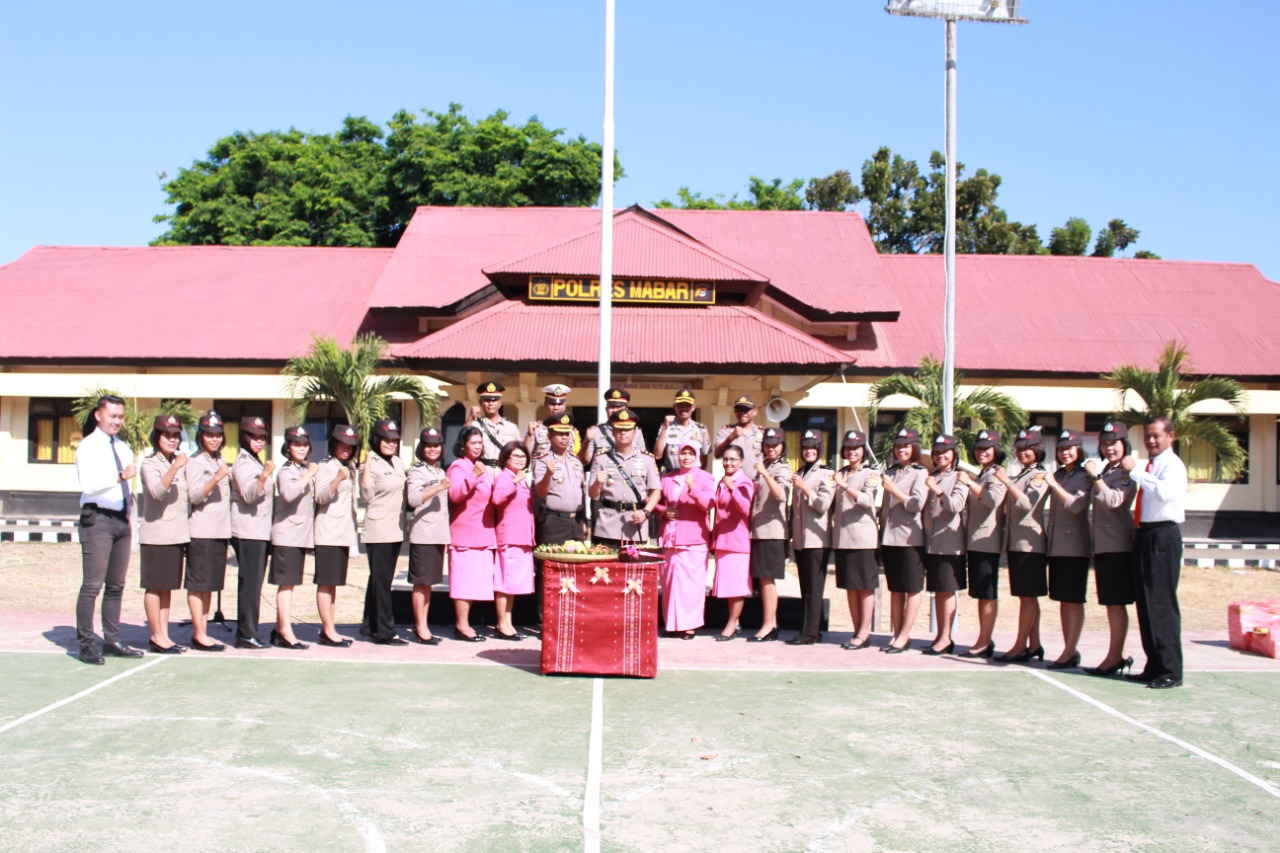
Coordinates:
600 618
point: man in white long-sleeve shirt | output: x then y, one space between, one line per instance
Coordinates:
1157 553
104 465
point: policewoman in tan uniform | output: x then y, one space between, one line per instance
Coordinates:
494 428
382 486
560 486
678 428
984 537
627 484
944 539
813 487
1068 542
251 500
1112 530
427 493
855 535
334 528
1026 543
902 536
209 491
770 532
163 529
292 527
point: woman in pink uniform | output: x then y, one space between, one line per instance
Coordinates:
472 543
686 498
513 507
734 494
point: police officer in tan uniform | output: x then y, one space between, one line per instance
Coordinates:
902 536
769 530
746 434
1024 527
944 517
600 438
536 437
382 486
427 496
334 528
984 537
494 428
209 490
855 535
1112 530
678 427
292 529
1068 542
163 530
559 484
626 482
251 500
813 490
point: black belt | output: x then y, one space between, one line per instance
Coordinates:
492 463
622 506
117 514
569 515
1148 525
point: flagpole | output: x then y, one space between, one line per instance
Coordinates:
604 377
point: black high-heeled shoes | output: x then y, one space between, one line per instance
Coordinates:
983 653
1070 663
1024 656
767 638
1105 671
930 650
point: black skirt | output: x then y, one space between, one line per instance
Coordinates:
206 565
856 568
1068 579
162 567
1113 578
331 564
769 559
426 564
903 568
1027 574
945 572
984 576
286 565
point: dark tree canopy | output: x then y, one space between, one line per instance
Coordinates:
905 209
359 185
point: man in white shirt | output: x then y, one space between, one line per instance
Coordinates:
1157 553
104 466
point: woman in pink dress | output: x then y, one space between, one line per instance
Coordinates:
472 542
686 498
734 494
513 505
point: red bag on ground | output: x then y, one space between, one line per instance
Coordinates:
600 618
1253 626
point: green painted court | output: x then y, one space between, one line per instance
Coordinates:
291 754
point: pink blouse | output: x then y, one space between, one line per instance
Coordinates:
733 514
513 504
471 518
692 526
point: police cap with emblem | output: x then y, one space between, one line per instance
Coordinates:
1112 431
987 438
1028 438
296 434
772 436
559 423
622 419
253 426
853 439
617 396
744 402
906 436
490 390
387 428
811 439
210 423
1069 438
556 393
430 436
944 442
344 434
166 423
684 395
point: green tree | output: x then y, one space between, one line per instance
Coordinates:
836 191
764 195
1166 392
136 431
1115 237
359 186
980 408
328 372
1071 239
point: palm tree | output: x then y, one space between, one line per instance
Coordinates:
1167 393
981 408
137 422
331 373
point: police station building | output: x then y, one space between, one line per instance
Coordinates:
795 309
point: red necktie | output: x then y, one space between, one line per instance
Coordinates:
1137 504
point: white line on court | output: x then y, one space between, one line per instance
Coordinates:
83 693
1208 756
595 762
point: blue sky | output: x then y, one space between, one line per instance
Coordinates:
1163 113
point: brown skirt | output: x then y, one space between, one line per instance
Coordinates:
206 565
162 566
286 565
331 565
426 564
856 568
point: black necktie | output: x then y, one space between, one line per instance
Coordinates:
124 485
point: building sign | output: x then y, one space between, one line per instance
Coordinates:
546 288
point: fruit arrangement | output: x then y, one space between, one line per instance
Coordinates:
576 550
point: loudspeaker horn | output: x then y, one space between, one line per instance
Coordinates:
777 409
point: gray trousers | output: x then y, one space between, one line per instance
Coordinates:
104 549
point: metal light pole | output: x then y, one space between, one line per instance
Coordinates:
998 11
604 375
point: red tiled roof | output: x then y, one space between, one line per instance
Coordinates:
180 303
823 265
1031 314
643 248
647 338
